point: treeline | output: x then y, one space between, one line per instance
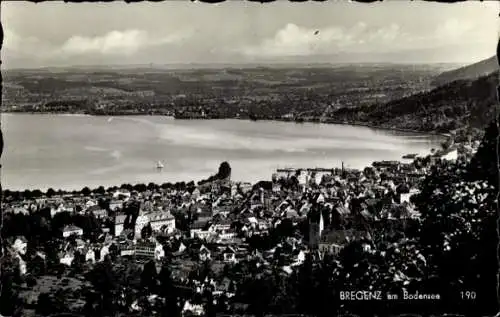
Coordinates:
40 226
13 195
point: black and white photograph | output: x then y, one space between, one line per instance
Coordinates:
183 158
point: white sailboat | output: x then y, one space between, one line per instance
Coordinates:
159 165
110 119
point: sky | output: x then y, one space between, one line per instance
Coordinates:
179 32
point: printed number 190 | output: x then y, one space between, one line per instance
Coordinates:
468 295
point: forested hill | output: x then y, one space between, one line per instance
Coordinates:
473 71
454 106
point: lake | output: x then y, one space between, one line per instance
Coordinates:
71 151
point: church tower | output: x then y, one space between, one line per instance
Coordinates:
316 227
321 224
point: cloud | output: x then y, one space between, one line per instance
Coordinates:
114 43
293 40
453 29
23 44
125 42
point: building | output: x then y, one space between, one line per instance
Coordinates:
145 249
222 226
204 253
449 155
72 230
127 252
97 211
67 259
23 269
405 197
119 222
159 252
140 222
90 255
115 205
226 236
316 227
20 245
103 252
192 310
198 228
159 220
229 255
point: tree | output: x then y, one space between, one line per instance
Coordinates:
149 276
44 305
145 305
146 231
50 192
27 194
483 165
168 291
78 262
100 190
91 303
127 187
36 193
140 188
113 251
36 266
86 191
259 292
103 279
210 306
60 220
7 194
458 206
9 298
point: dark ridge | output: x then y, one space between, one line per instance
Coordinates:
484 164
463 105
473 71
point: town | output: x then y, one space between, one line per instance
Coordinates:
210 248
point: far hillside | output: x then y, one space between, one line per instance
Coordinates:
457 106
473 71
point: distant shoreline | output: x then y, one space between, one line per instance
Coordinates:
353 124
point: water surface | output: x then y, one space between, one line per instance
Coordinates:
69 152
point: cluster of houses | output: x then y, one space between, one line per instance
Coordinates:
222 217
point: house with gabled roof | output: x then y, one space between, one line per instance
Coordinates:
162 220
145 249
20 245
90 255
229 255
71 230
192 309
67 258
199 228
204 253
97 211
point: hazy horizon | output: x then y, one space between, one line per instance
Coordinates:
222 65
57 34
